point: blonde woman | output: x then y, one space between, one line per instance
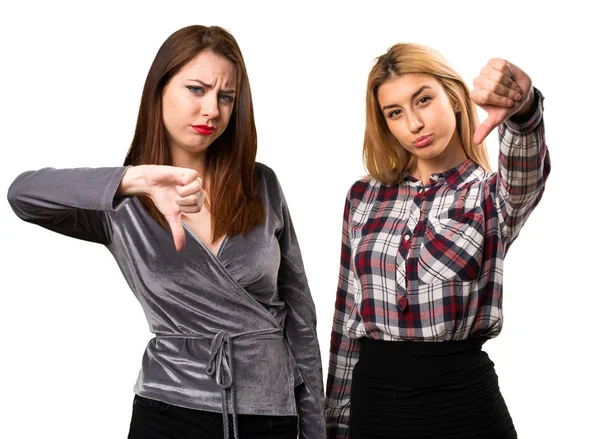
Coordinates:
424 239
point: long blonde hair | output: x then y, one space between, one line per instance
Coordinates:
383 156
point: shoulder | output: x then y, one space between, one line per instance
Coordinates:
362 187
268 185
360 190
264 174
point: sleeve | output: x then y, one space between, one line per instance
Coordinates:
73 202
523 168
343 350
301 331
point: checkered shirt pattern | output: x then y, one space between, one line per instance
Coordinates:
425 262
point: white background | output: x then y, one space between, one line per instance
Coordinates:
71 333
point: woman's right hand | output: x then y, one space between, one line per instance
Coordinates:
173 190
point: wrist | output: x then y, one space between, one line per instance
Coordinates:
134 182
528 109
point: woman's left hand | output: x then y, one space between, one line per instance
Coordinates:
503 90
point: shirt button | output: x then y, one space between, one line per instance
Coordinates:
406 237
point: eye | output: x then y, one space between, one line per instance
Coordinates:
226 98
424 100
194 89
394 113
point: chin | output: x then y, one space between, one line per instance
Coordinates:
200 144
427 154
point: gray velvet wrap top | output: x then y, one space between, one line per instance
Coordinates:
238 327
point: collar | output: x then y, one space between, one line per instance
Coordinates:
466 172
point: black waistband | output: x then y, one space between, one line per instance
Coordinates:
420 348
414 356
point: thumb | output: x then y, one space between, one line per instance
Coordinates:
177 231
483 131
186 176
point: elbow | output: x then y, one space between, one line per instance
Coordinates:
16 198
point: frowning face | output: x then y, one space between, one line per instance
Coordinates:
197 104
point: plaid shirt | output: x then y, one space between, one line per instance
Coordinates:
425 263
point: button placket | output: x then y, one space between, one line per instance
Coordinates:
413 251
405 236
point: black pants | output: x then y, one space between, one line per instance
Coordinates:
157 420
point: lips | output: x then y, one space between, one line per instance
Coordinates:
203 129
423 141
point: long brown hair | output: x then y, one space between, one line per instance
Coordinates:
233 199
384 157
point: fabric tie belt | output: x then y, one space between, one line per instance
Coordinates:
220 366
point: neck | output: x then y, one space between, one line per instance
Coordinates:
182 159
452 156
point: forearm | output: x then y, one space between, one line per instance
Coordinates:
343 351
300 327
524 166
522 160
48 189
73 202
310 399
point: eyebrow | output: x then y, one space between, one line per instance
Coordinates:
414 95
231 91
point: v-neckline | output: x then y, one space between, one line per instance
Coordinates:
204 245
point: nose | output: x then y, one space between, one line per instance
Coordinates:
414 122
210 106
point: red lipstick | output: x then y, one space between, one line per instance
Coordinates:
203 129
423 141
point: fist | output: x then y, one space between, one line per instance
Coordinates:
175 191
502 90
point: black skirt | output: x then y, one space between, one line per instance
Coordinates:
427 390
